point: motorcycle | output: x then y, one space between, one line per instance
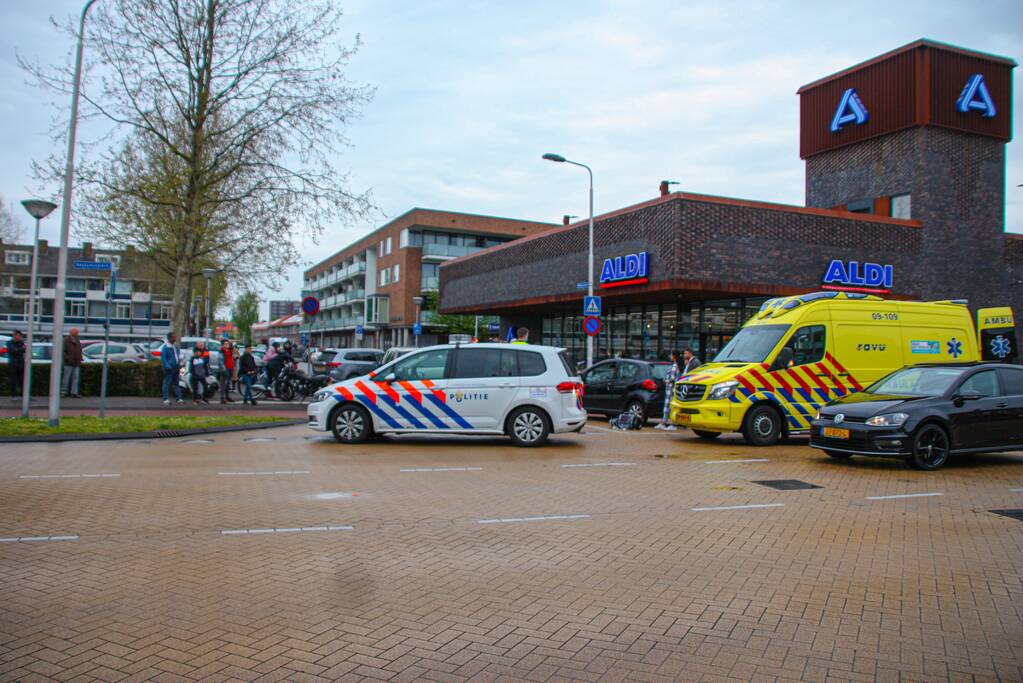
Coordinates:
291 383
212 386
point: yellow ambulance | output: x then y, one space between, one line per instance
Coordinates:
799 352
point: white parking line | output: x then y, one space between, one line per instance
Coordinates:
722 462
602 464
66 476
1015 490
441 469
545 518
739 507
260 474
14 539
284 530
904 495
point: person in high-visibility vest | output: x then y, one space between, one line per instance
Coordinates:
521 336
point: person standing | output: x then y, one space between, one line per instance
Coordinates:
247 373
225 369
670 377
199 370
72 364
235 354
689 361
521 336
16 364
170 360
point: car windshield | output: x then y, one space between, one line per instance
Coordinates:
752 344
918 381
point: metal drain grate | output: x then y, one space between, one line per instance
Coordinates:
1016 514
786 484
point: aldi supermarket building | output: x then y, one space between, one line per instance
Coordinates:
905 197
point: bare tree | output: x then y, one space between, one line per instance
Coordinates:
10 225
225 117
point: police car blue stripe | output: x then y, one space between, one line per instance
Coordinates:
401 411
437 422
379 413
459 420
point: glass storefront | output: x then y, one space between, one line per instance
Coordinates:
651 332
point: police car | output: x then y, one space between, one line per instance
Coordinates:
526 392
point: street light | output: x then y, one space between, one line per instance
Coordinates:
208 273
56 366
589 279
38 209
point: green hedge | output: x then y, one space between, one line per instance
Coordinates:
123 379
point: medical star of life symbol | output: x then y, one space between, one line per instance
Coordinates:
955 348
1000 346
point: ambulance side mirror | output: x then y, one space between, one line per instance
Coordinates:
784 359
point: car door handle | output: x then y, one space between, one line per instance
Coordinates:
1003 404
506 385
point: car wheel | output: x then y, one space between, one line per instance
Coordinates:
762 426
838 455
351 424
703 434
930 448
528 427
638 409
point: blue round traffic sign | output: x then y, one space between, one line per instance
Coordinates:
310 305
591 325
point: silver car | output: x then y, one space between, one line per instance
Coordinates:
118 353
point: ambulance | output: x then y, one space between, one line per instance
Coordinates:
799 352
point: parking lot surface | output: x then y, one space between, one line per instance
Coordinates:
280 555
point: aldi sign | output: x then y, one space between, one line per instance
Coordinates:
870 278
619 271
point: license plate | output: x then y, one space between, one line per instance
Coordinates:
835 433
683 418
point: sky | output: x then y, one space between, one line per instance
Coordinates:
470 95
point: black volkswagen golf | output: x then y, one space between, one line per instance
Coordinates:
925 413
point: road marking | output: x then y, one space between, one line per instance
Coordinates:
66 476
739 507
260 474
335 495
545 518
441 469
14 539
722 462
904 495
284 530
1015 490
259 439
190 441
602 464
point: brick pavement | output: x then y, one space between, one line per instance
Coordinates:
829 586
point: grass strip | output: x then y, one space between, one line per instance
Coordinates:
89 424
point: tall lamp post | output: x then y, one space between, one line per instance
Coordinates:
589 261
208 273
38 209
56 366
418 301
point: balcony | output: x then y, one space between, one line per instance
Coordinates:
443 252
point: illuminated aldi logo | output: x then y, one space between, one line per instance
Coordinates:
633 269
850 110
870 278
975 97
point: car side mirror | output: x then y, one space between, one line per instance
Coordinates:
784 358
969 395
390 377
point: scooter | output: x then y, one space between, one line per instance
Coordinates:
212 386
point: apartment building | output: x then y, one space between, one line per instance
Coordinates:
280 309
370 286
141 306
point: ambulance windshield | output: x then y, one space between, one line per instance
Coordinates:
752 344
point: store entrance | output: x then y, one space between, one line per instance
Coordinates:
711 344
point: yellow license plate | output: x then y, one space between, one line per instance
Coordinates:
683 418
835 433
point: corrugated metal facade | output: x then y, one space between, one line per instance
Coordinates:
915 85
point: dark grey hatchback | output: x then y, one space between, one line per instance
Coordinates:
926 413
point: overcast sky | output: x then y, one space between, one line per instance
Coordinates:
470 94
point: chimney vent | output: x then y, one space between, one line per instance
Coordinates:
87 251
665 185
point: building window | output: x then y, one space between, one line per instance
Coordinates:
380 249
110 258
900 206
76 309
385 277
122 310
403 239
388 245
397 272
18 258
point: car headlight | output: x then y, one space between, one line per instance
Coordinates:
321 395
889 420
818 414
722 390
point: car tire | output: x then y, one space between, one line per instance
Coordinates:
704 434
637 408
930 448
351 424
528 427
838 455
762 426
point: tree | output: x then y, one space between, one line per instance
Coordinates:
245 313
10 225
225 117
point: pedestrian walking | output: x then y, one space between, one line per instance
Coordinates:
15 364
224 371
170 359
199 370
670 377
72 364
689 361
247 373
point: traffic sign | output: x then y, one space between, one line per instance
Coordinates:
310 305
591 325
304 338
359 331
417 330
493 328
591 305
93 265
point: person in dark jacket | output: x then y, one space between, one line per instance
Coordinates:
170 360
224 371
199 367
15 364
247 374
72 364
689 361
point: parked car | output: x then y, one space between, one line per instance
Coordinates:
526 392
619 385
396 352
318 359
118 353
927 413
353 363
42 353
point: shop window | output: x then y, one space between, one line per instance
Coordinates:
901 206
808 345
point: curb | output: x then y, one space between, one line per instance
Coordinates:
159 434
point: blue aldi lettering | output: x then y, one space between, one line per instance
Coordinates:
629 269
850 110
871 277
975 97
